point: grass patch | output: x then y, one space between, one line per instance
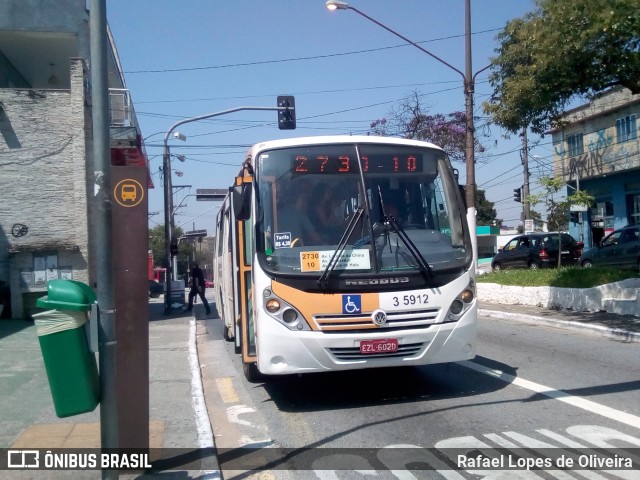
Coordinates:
566 277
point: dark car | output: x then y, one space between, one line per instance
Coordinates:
537 250
619 249
155 289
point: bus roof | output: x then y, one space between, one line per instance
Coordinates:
327 139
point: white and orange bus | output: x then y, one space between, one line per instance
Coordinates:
345 252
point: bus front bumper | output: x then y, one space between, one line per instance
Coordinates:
282 351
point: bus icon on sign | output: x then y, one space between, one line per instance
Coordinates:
128 192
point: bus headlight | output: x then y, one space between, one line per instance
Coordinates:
467 296
283 312
272 305
461 303
289 315
457 306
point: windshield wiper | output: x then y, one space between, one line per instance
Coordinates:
324 278
390 221
413 250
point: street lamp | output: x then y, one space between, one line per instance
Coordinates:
469 80
169 227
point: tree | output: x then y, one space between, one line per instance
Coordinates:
485 213
156 245
558 216
410 120
562 50
537 220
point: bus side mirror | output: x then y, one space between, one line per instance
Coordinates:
241 196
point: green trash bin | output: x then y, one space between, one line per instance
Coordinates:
71 366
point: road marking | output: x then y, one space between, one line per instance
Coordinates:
233 414
584 404
203 424
226 390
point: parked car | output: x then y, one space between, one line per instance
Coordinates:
619 249
155 289
208 284
537 250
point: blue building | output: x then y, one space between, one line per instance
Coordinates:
596 149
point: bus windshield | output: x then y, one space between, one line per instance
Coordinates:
368 208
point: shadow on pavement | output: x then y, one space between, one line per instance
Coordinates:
362 388
11 327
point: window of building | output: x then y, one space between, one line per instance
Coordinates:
575 144
602 215
45 268
626 128
633 208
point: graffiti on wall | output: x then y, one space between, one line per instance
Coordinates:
602 156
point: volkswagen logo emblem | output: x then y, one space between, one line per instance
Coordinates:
379 317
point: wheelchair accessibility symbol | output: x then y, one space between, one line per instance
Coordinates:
351 304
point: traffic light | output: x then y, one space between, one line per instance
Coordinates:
517 194
173 249
287 118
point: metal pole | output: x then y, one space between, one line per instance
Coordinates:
168 232
103 229
525 165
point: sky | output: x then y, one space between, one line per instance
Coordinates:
183 59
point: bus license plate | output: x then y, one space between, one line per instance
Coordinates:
384 345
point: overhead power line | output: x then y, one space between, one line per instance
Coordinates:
298 59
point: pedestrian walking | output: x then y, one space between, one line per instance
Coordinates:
197 287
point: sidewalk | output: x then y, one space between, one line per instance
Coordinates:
178 422
179 419
621 327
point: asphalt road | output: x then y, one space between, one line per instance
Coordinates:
529 388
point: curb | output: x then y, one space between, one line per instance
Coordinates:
616 333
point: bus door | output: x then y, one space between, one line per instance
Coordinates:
244 247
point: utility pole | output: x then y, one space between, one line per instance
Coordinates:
525 164
102 209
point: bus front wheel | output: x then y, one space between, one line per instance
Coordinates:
226 333
251 372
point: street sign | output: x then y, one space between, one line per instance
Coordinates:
211 194
195 233
578 208
528 225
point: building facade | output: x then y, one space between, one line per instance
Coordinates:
46 159
597 150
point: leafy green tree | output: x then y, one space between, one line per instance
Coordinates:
156 245
558 216
410 119
564 49
485 213
537 220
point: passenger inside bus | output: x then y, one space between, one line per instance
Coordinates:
294 217
325 213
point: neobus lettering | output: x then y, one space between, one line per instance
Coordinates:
377 281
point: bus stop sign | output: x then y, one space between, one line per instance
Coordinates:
210 194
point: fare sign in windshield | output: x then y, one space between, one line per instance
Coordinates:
317 261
